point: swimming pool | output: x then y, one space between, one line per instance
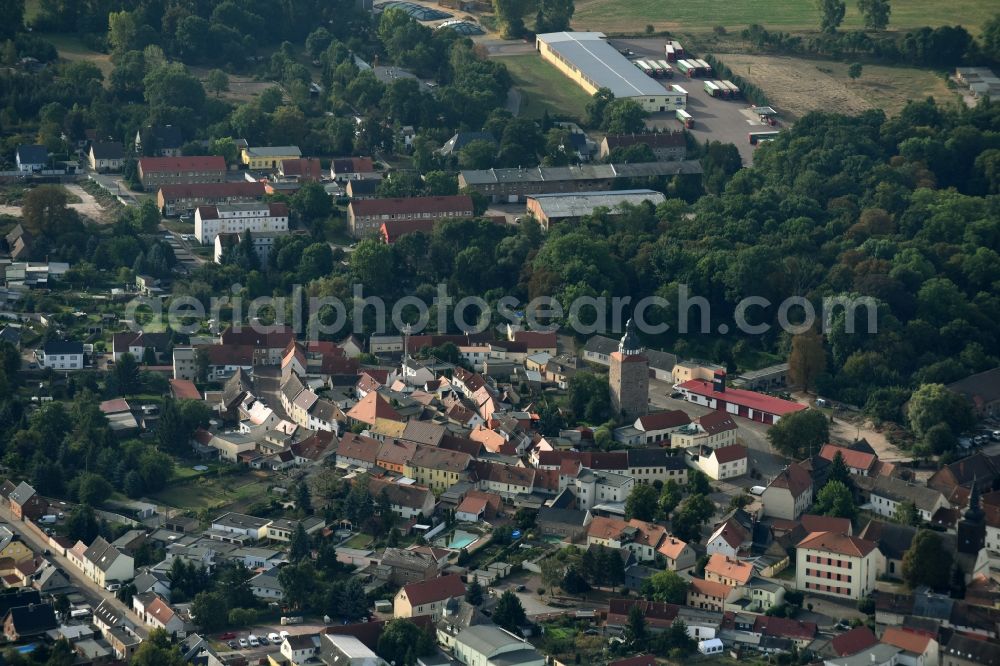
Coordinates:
460 540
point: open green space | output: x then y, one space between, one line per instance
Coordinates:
359 540
633 16
213 493
544 87
71 47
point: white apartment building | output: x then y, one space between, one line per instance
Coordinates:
837 565
210 221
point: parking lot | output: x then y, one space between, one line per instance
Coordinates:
714 119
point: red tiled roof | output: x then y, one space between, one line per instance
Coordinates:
373 406
184 389
114 406
727 454
435 589
358 447
727 567
710 588
672 547
796 479
908 641
353 165
813 523
716 422
212 191
657 613
833 542
536 339
241 355
852 458
412 205
784 627
304 167
750 399
671 418
853 641
313 447
192 163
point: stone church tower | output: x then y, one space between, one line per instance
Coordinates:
629 376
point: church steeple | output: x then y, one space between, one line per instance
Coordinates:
630 344
975 511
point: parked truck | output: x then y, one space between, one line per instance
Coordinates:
734 90
668 71
674 50
685 118
644 66
685 68
712 89
290 619
703 67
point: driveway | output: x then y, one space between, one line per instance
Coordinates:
93 592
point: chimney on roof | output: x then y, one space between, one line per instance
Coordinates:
719 381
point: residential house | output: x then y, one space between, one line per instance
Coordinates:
638 536
728 570
879 654
409 565
284 529
726 462
374 405
231 444
406 501
185 363
837 565
105 157
730 539
25 503
357 451
255 218
918 649
155 172
569 524
678 554
713 430
159 141
861 463
652 428
853 641
885 494
789 493
157 613
60 355
241 525
350 169
104 563
710 595
136 343
25 622
266 586
438 468
301 170
428 597
31 158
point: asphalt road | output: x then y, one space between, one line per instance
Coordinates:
91 591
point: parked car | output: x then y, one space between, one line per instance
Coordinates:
263 641
228 636
284 634
253 641
244 643
274 637
113 587
233 645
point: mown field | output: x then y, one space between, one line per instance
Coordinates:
544 87
797 86
632 16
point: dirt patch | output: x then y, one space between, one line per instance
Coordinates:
241 88
796 86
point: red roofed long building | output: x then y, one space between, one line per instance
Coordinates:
837 565
748 404
157 171
176 199
368 215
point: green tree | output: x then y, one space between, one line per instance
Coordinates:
509 613
670 497
807 360
666 586
202 363
836 499
932 404
926 560
299 549
126 375
478 154
217 81
907 514
800 434
403 642
624 116
93 489
13 18
641 503
876 13
839 472
157 651
597 105
831 14
635 628
698 483
474 592
854 71
371 265
210 611
589 397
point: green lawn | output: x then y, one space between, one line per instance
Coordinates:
544 87
632 16
214 493
360 541
71 47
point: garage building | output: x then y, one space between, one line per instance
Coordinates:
592 63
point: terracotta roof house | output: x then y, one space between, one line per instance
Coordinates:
814 523
428 597
853 641
658 615
837 564
371 407
802 633
678 554
357 450
728 570
858 462
789 493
